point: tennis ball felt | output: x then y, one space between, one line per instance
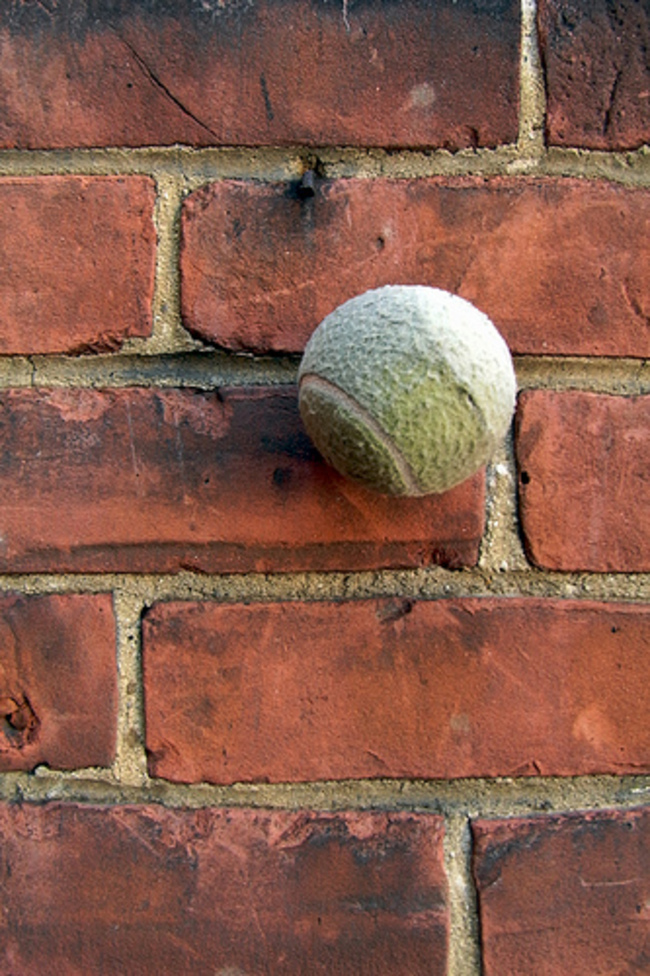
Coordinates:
406 389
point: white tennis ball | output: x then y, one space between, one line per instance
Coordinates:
406 389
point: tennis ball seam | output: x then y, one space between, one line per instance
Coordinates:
317 382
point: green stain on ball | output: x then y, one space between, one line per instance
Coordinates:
407 389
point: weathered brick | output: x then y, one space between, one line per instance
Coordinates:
565 894
595 55
261 267
77 257
392 688
395 73
143 480
148 890
58 696
584 493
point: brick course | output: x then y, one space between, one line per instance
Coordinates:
261 267
144 889
78 257
393 688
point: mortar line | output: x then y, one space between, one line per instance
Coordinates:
198 167
532 93
167 336
207 368
427 584
464 934
480 798
130 764
501 546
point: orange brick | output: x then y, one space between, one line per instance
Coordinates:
143 480
390 688
78 257
564 894
117 890
560 266
595 55
209 73
583 480
58 681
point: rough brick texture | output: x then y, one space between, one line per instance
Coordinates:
399 73
158 480
77 256
565 894
302 691
261 267
595 55
584 490
148 890
58 697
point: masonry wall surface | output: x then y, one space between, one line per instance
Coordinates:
254 719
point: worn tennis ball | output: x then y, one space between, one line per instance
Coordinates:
406 389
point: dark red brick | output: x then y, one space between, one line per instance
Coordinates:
395 73
584 492
565 894
261 267
119 890
318 691
77 255
139 480
58 695
595 55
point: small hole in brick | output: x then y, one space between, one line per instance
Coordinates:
282 476
525 478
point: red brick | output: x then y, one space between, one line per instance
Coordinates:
407 73
584 494
77 256
318 691
565 894
261 267
139 480
58 696
148 890
597 72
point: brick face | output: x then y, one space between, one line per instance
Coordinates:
262 267
144 889
564 894
583 465
58 695
78 256
157 481
318 691
597 72
407 73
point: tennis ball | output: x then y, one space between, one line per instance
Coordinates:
406 389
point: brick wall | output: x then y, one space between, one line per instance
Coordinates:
255 719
